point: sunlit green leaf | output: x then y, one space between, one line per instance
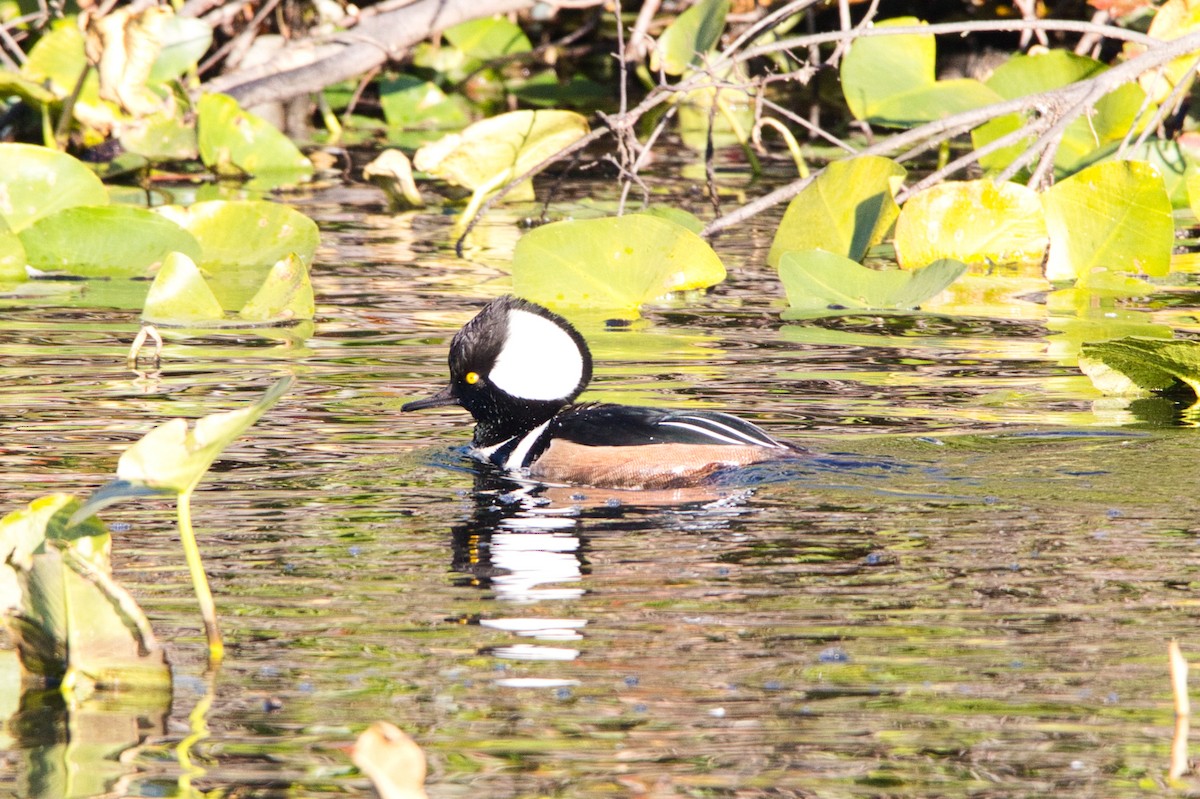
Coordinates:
976 221
57 57
845 210
1086 139
235 142
184 41
240 240
488 38
12 257
615 263
891 80
286 295
104 241
36 182
71 622
689 37
1141 365
180 294
410 102
162 136
1114 215
819 280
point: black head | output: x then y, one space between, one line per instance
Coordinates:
513 367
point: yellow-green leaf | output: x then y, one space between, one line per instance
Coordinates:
615 263
1114 215
286 295
846 209
976 221
180 295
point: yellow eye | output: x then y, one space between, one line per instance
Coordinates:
472 378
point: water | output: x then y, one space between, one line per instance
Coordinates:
968 591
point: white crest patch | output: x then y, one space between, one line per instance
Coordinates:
539 361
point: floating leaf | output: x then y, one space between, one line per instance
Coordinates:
241 240
58 58
235 142
891 80
845 210
162 136
286 295
819 280
488 38
490 153
1114 215
976 221
687 39
12 257
614 263
104 241
185 40
36 182
72 624
1087 138
1141 365
180 294
409 102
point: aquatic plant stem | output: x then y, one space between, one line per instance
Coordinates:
191 552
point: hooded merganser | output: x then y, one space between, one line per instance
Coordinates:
518 367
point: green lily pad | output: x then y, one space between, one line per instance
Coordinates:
12 257
686 40
1086 139
819 280
241 240
488 38
36 182
233 141
104 241
185 40
180 295
848 208
1176 164
490 153
161 136
71 622
1114 215
1138 366
409 102
286 295
975 221
892 80
58 57
615 263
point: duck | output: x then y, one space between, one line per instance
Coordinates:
518 367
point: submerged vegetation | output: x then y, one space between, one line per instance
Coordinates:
140 172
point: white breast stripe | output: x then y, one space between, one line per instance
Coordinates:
516 458
720 431
485 453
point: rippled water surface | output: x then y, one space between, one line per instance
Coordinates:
968 590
